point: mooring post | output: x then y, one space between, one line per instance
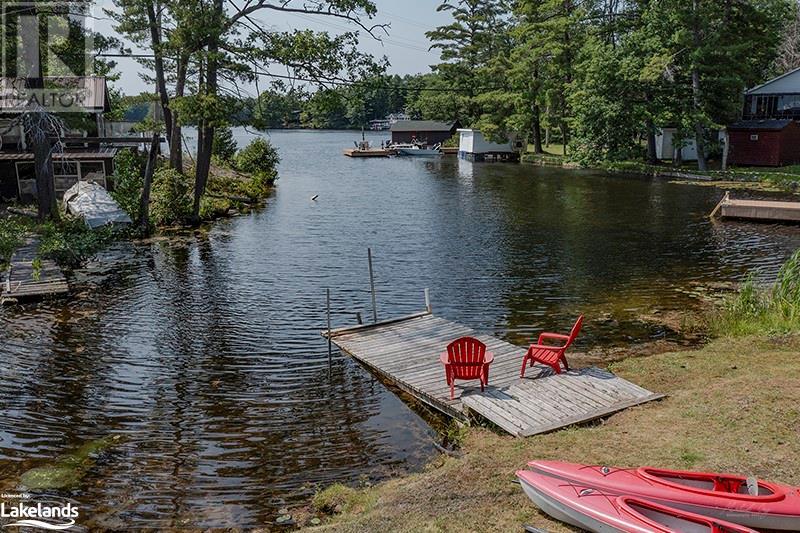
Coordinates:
428 300
328 306
358 318
372 286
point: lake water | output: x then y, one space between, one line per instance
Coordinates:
204 351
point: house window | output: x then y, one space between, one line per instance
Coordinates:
65 175
754 137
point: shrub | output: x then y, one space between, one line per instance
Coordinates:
224 146
12 231
759 310
128 181
70 243
170 197
260 160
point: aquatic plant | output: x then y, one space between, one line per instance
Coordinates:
763 310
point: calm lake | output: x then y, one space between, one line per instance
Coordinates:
204 352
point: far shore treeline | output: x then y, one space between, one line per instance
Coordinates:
600 76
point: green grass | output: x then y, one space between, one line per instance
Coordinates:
757 310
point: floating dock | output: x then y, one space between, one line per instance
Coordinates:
22 281
761 210
354 152
405 352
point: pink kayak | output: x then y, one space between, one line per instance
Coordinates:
594 510
749 502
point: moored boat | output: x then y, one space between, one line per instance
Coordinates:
416 150
738 499
595 510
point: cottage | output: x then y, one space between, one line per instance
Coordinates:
85 157
777 98
670 147
773 142
473 146
429 132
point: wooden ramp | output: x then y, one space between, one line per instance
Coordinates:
405 352
22 281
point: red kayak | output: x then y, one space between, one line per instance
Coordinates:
749 502
594 510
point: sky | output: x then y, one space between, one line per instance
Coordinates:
406 45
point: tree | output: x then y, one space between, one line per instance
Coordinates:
470 47
788 56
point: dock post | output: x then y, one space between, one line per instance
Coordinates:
372 286
358 318
328 306
428 300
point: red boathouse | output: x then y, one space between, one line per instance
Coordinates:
768 143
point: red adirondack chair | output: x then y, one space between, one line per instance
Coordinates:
466 358
551 355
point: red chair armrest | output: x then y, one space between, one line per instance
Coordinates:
552 336
444 358
488 358
547 347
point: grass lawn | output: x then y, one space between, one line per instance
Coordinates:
552 149
732 406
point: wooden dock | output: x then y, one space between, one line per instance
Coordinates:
23 281
354 152
762 210
405 352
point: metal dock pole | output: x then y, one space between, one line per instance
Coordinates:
330 347
372 286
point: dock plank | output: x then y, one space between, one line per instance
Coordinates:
405 352
22 281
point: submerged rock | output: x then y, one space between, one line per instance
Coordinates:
68 470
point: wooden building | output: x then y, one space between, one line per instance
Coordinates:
428 132
87 155
771 142
473 146
776 98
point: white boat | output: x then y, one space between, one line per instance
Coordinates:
416 150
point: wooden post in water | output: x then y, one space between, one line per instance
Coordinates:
428 300
328 307
372 286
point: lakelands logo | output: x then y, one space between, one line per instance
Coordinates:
30 512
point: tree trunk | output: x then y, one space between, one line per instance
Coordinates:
43 161
536 129
144 208
564 138
699 135
651 143
725 149
176 137
154 21
204 145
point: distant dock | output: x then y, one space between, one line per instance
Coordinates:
758 210
354 152
25 280
405 352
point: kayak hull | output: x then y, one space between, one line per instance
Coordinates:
776 507
594 510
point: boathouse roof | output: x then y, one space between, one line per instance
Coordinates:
767 124
424 125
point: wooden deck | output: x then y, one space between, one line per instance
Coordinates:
405 352
761 210
23 282
352 152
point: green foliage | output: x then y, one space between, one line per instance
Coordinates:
170 198
128 179
259 160
70 242
756 310
12 231
224 146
